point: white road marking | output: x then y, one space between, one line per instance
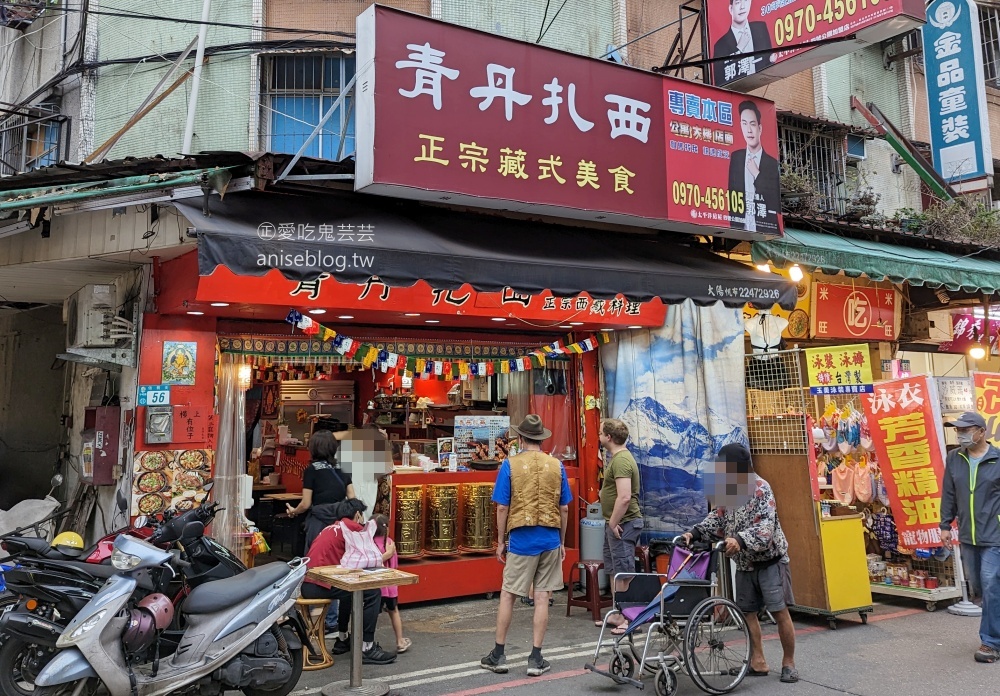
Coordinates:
511 665
465 669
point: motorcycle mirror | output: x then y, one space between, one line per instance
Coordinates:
56 480
192 530
121 501
141 521
208 486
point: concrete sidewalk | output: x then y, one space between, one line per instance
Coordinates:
904 651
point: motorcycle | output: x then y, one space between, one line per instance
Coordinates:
52 592
38 511
241 633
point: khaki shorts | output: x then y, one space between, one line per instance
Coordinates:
544 571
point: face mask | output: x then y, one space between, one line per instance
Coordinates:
966 439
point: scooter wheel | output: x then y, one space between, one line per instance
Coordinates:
295 655
91 687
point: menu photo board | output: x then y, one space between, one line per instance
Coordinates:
482 438
760 41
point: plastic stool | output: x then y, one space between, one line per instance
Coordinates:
313 612
592 598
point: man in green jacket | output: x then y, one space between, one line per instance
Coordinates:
971 493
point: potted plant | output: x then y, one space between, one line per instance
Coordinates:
798 191
863 203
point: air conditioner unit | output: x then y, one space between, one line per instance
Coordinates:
88 314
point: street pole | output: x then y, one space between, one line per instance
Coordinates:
965 607
199 60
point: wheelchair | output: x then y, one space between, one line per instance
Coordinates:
690 628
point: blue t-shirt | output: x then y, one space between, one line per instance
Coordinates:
529 541
974 464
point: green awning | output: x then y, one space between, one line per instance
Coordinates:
831 254
218 178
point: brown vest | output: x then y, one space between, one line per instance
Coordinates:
535 487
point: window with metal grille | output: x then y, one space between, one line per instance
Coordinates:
298 90
32 138
816 152
989 28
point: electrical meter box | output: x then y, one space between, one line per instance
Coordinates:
159 425
101 436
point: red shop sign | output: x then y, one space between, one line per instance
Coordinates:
274 289
967 331
446 113
904 424
844 311
737 28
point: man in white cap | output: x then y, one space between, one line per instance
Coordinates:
969 494
532 494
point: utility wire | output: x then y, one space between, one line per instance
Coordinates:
175 20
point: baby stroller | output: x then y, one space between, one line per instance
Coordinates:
690 627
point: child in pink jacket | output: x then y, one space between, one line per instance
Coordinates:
390 595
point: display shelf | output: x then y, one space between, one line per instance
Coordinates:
405 412
931 597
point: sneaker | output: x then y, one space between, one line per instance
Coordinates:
494 663
537 668
341 646
375 655
987 655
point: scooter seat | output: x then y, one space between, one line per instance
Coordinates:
34 546
219 594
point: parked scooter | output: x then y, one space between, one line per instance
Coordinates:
35 512
52 592
234 636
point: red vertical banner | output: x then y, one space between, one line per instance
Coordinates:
904 419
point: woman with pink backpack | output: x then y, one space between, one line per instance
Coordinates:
348 542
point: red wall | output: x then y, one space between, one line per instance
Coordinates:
156 330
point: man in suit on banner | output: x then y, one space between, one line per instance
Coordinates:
754 173
743 37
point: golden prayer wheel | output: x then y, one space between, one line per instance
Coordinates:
442 517
479 516
409 520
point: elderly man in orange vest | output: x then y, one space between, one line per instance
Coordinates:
532 495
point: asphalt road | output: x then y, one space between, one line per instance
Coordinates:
904 650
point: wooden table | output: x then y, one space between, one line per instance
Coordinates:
268 488
283 497
356 582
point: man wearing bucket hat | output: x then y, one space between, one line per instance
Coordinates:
532 495
969 494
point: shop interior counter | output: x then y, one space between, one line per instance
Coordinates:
444 527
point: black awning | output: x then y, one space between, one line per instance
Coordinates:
353 237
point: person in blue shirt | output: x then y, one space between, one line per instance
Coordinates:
532 495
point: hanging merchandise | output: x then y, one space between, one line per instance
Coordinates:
864 482
884 529
843 483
